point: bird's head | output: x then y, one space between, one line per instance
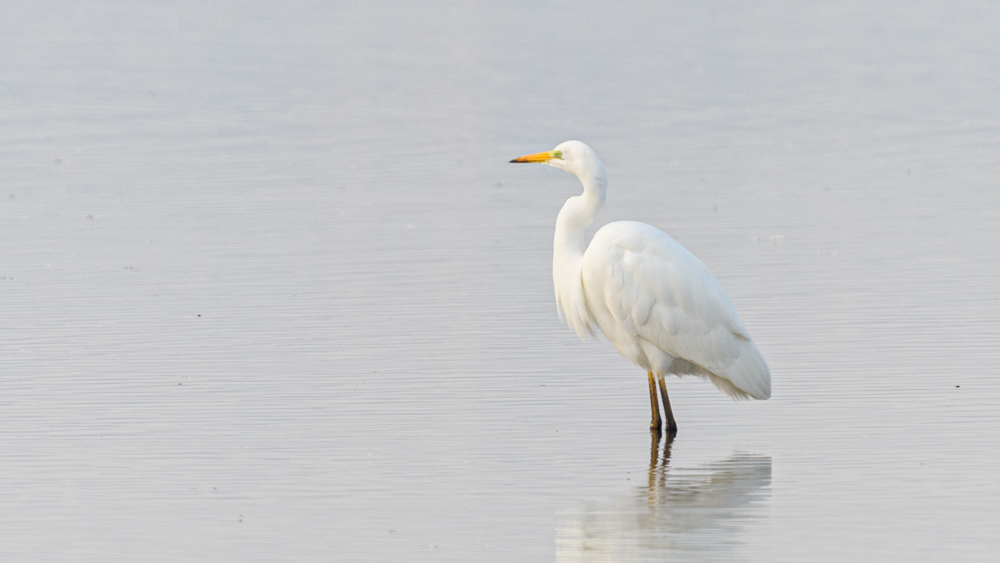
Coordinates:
572 156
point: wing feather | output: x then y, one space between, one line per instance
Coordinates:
660 293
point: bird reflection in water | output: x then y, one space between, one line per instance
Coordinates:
686 514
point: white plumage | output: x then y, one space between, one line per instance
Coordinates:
654 300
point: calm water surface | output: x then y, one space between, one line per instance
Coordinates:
270 290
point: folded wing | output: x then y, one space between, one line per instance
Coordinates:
662 295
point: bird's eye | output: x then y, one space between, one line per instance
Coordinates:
557 154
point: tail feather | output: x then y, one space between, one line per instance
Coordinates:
747 378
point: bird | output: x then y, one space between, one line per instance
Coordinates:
656 302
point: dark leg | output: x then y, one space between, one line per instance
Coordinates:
654 426
667 411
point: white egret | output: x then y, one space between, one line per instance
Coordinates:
658 304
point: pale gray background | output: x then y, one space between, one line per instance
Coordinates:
271 292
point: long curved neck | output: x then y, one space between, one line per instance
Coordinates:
576 215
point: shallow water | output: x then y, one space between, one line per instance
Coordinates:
272 292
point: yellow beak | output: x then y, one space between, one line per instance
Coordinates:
537 157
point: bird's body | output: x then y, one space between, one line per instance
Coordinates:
655 301
663 310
